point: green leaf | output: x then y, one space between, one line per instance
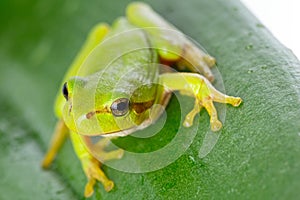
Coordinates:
256 156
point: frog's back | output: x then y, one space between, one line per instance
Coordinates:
125 47
122 63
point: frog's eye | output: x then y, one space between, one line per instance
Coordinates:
65 91
120 107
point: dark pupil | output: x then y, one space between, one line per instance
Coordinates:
122 106
65 91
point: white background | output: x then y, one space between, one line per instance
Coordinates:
282 18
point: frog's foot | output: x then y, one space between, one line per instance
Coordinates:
206 95
201 89
91 164
207 103
91 167
93 172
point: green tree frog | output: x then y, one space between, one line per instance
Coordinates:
113 83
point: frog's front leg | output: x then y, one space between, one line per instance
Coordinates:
91 166
205 94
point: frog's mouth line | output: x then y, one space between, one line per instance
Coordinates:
125 132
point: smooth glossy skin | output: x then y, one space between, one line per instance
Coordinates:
112 84
121 68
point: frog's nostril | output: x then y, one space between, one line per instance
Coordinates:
89 115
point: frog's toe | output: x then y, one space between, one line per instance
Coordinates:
109 185
236 101
215 125
100 176
89 188
187 123
189 118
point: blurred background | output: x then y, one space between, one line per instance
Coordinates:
281 17
257 156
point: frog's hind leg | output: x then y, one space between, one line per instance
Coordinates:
197 61
172 45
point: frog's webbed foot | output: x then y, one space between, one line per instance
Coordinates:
92 169
92 165
93 172
205 94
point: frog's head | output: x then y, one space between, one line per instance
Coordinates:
96 106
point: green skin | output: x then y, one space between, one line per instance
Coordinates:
109 77
112 85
